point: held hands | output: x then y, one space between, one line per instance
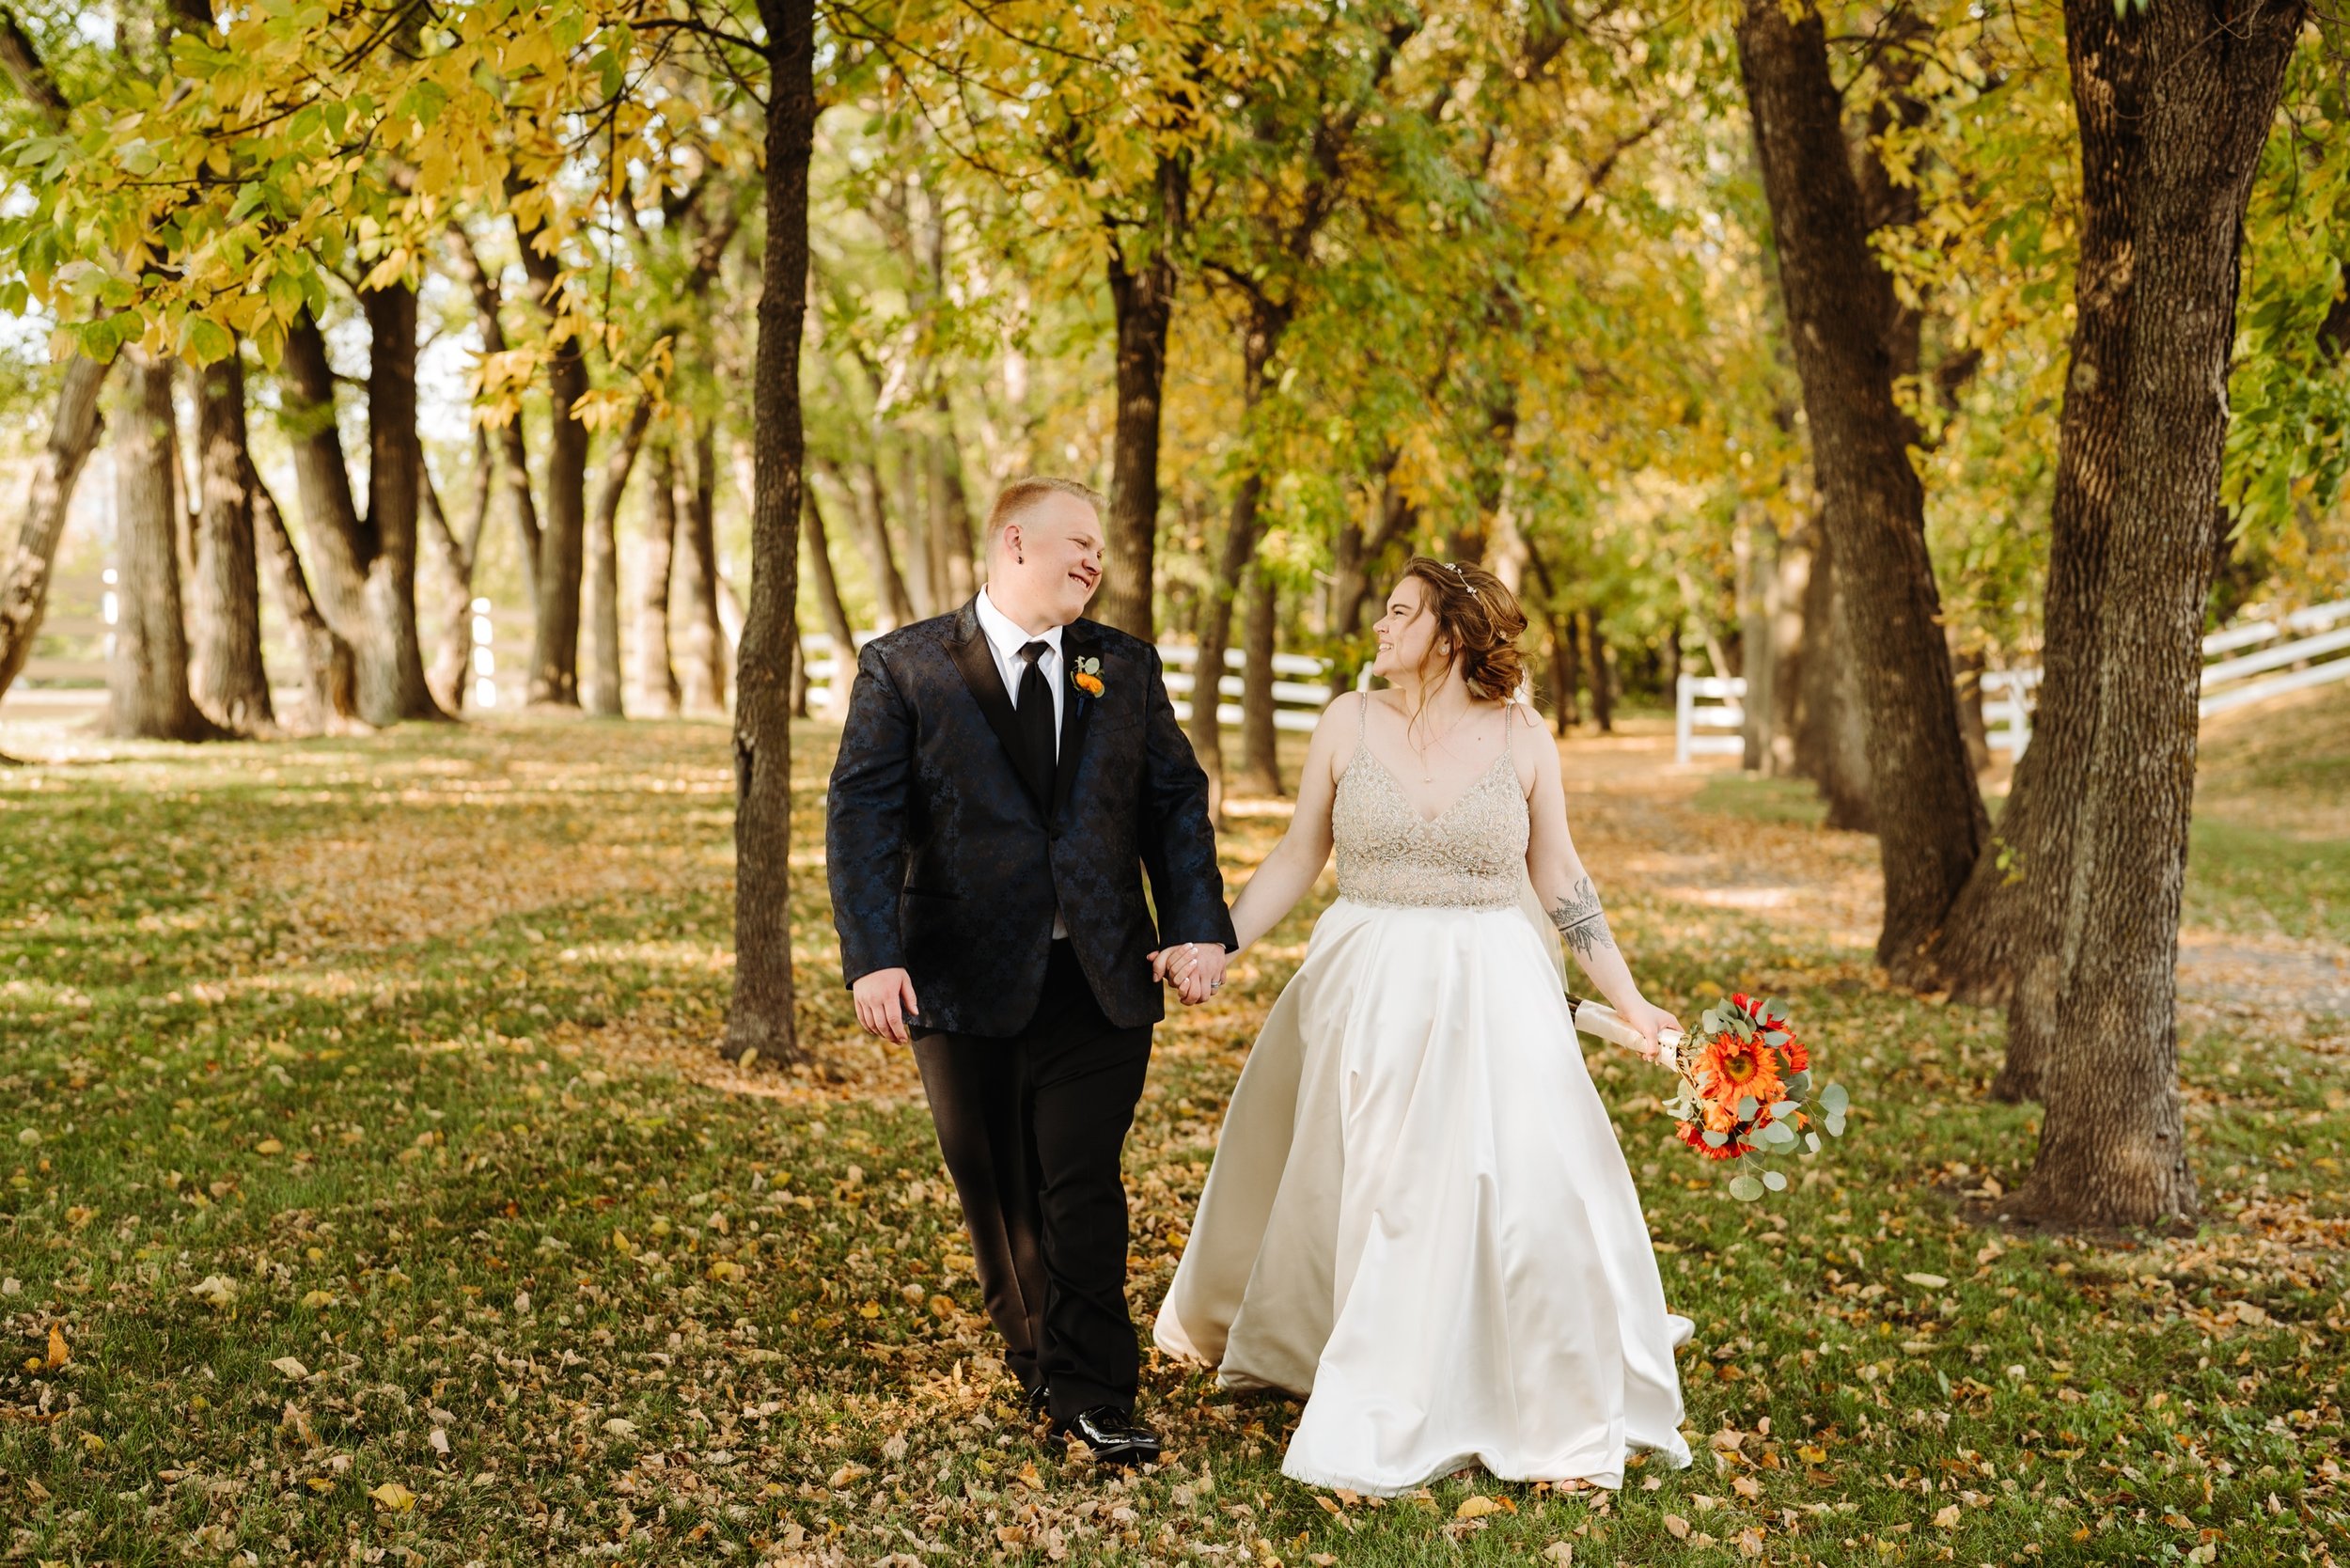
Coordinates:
884 998
1196 969
1651 1020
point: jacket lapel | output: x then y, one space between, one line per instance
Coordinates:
977 662
1076 712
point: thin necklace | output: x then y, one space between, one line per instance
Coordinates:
1427 775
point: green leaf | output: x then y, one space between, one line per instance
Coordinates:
1834 1100
1715 1139
1775 1181
1835 1124
1747 1106
1812 1141
207 341
1744 1188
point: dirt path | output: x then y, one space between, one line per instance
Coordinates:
1637 823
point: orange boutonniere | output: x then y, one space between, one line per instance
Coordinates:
1088 677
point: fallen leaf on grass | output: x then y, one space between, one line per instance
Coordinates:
269 1146
1677 1526
216 1291
1946 1517
314 1300
844 1475
58 1353
1930 1281
1476 1507
393 1497
1559 1552
620 1426
288 1367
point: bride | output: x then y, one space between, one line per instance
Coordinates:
1418 1217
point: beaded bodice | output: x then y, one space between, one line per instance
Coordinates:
1470 855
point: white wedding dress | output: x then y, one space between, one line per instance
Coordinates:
1419 1218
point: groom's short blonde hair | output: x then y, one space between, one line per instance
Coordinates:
1022 496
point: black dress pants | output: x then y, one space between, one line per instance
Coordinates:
1032 1128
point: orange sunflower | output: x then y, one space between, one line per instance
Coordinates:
1731 1068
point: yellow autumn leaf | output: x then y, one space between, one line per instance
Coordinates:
269 1146
393 1497
1476 1507
58 1353
1677 1526
1947 1518
1930 1281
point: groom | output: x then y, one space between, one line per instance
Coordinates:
1007 774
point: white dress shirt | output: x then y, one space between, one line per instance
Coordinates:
1005 639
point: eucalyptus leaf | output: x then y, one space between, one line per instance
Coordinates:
1775 1181
1744 1188
1834 1100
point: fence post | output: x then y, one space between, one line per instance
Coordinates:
485 686
1684 699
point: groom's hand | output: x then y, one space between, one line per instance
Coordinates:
1196 969
884 998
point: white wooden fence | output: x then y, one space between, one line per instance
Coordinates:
2307 647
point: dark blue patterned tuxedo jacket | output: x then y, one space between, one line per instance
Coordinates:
945 863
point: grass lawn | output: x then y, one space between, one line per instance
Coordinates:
369 1193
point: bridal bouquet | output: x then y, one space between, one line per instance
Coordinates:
1746 1088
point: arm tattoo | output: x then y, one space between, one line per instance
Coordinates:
1580 922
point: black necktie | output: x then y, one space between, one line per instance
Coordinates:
1035 715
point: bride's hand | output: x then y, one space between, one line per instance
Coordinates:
1651 1020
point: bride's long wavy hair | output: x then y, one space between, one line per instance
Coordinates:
1479 620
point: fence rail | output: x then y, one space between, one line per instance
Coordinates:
2312 655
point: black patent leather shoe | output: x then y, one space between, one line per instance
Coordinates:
1114 1435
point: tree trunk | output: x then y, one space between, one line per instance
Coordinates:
1603 676
1142 298
1360 564
1560 629
330 678
1262 334
656 679
761 1017
563 533
224 670
391 656
2175 105
512 448
889 588
702 644
24 570
1260 764
951 503
1757 552
603 565
1839 304
837 622
1831 742
450 559
147 680
924 566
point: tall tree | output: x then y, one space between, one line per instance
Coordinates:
2175 102
73 431
603 564
328 674
1142 282
701 645
1931 821
226 672
761 1016
656 678
147 680
835 611
563 533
